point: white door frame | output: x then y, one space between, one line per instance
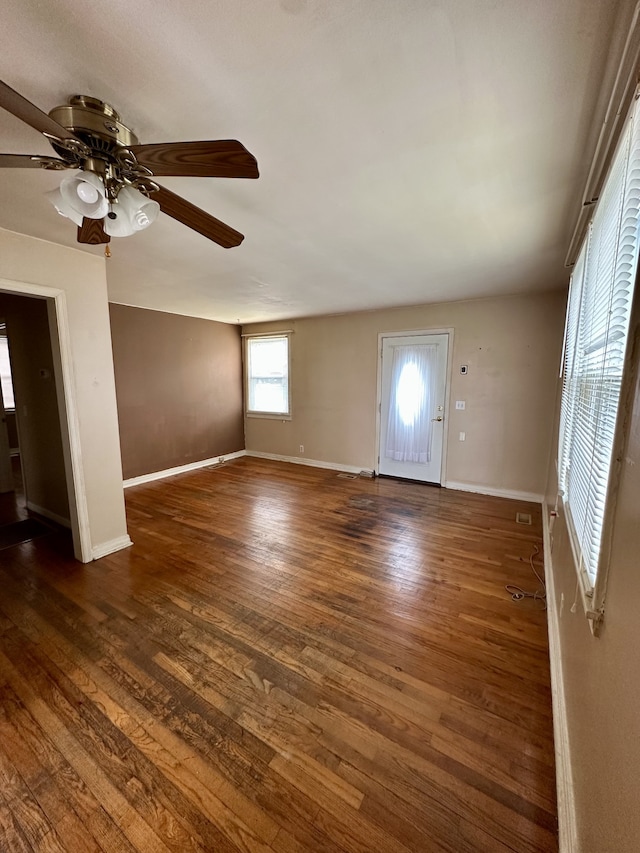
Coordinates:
445 437
70 425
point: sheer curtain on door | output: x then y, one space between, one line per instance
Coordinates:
413 392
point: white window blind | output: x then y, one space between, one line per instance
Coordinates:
5 374
598 315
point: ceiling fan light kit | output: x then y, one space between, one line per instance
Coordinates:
113 193
132 212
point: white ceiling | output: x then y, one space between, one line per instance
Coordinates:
410 150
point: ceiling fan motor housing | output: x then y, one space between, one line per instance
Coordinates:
96 123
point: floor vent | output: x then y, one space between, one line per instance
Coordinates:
345 476
523 518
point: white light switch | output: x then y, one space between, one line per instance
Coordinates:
463 436
459 404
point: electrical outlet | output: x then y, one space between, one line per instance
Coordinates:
463 436
302 448
460 404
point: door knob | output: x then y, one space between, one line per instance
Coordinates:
439 418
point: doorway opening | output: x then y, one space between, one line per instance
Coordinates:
33 480
46 417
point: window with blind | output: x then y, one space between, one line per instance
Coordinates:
597 326
267 372
5 374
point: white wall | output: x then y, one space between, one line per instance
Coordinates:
512 346
82 277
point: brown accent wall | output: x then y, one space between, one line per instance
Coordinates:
37 413
178 386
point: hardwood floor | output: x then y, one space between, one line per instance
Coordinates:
286 661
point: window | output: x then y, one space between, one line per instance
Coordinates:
5 374
268 375
597 326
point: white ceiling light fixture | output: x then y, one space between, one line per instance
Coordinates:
84 193
55 197
123 208
131 212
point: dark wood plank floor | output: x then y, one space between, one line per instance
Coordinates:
285 662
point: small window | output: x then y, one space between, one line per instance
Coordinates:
268 376
5 374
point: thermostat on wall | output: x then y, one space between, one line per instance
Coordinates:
464 368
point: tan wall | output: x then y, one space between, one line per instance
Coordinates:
82 277
179 388
37 414
512 346
602 674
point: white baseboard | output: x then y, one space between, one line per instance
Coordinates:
64 522
182 469
312 463
110 547
567 824
531 497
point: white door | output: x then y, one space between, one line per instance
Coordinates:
414 376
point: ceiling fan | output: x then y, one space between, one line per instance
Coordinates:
113 192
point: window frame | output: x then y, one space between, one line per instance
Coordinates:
263 336
8 408
593 592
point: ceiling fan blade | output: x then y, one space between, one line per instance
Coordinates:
32 161
23 109
92 232
191 216
220 158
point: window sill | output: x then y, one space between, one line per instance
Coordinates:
272 416
588 592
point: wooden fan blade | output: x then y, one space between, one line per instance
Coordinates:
92 232
220 158
31 161
191 216
23 109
